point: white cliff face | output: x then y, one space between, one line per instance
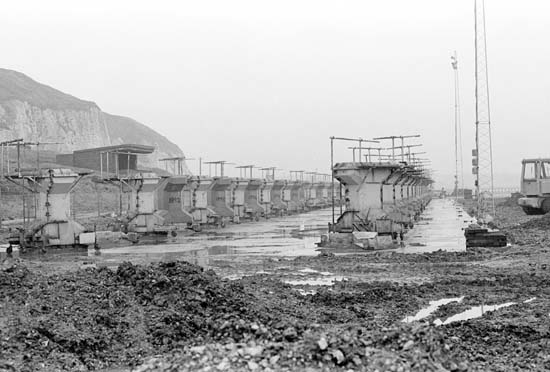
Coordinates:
39 113
73 129
76 129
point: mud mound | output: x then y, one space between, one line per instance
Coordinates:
492 342
511 201
536 223
440 256
96 318
534 231
403 348
93 319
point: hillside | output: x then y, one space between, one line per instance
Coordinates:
118 127
37 112
17 86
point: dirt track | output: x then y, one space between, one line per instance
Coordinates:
175 316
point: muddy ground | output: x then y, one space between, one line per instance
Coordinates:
178 317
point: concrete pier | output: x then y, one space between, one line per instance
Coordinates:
143 216
265 196
171 199
253 208
219 200
278 205
381 197
53 225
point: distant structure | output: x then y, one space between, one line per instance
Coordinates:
176 165
109 159
463 193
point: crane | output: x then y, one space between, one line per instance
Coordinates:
483 154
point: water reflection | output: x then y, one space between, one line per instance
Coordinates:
440 227
432 307
289 236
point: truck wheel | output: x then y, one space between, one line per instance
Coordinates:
197 228
546 206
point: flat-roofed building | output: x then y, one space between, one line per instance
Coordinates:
107 159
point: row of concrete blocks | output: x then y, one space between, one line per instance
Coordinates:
386 198
196 201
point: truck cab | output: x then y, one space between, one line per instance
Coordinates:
535 186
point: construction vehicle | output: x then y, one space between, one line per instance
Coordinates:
535 186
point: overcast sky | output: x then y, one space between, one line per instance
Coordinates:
266 83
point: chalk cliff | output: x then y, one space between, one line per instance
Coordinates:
37 112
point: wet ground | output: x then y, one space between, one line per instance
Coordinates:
288 236
251 247
441 226
442 310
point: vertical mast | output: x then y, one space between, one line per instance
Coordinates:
483 168
459 165
454 63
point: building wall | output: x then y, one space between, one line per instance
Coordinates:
64 159
91 160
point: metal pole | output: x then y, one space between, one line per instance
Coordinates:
2 165
116 165
120 199
341 211
19 159
477 114
332 180
38 157
455 67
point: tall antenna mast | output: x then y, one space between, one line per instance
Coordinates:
483 154
458 130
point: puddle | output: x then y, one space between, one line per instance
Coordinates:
472 313
326 281
308 270
305 293
261 272
4 255
288 236
444 230
434 305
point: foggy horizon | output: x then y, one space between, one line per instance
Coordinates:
269 84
